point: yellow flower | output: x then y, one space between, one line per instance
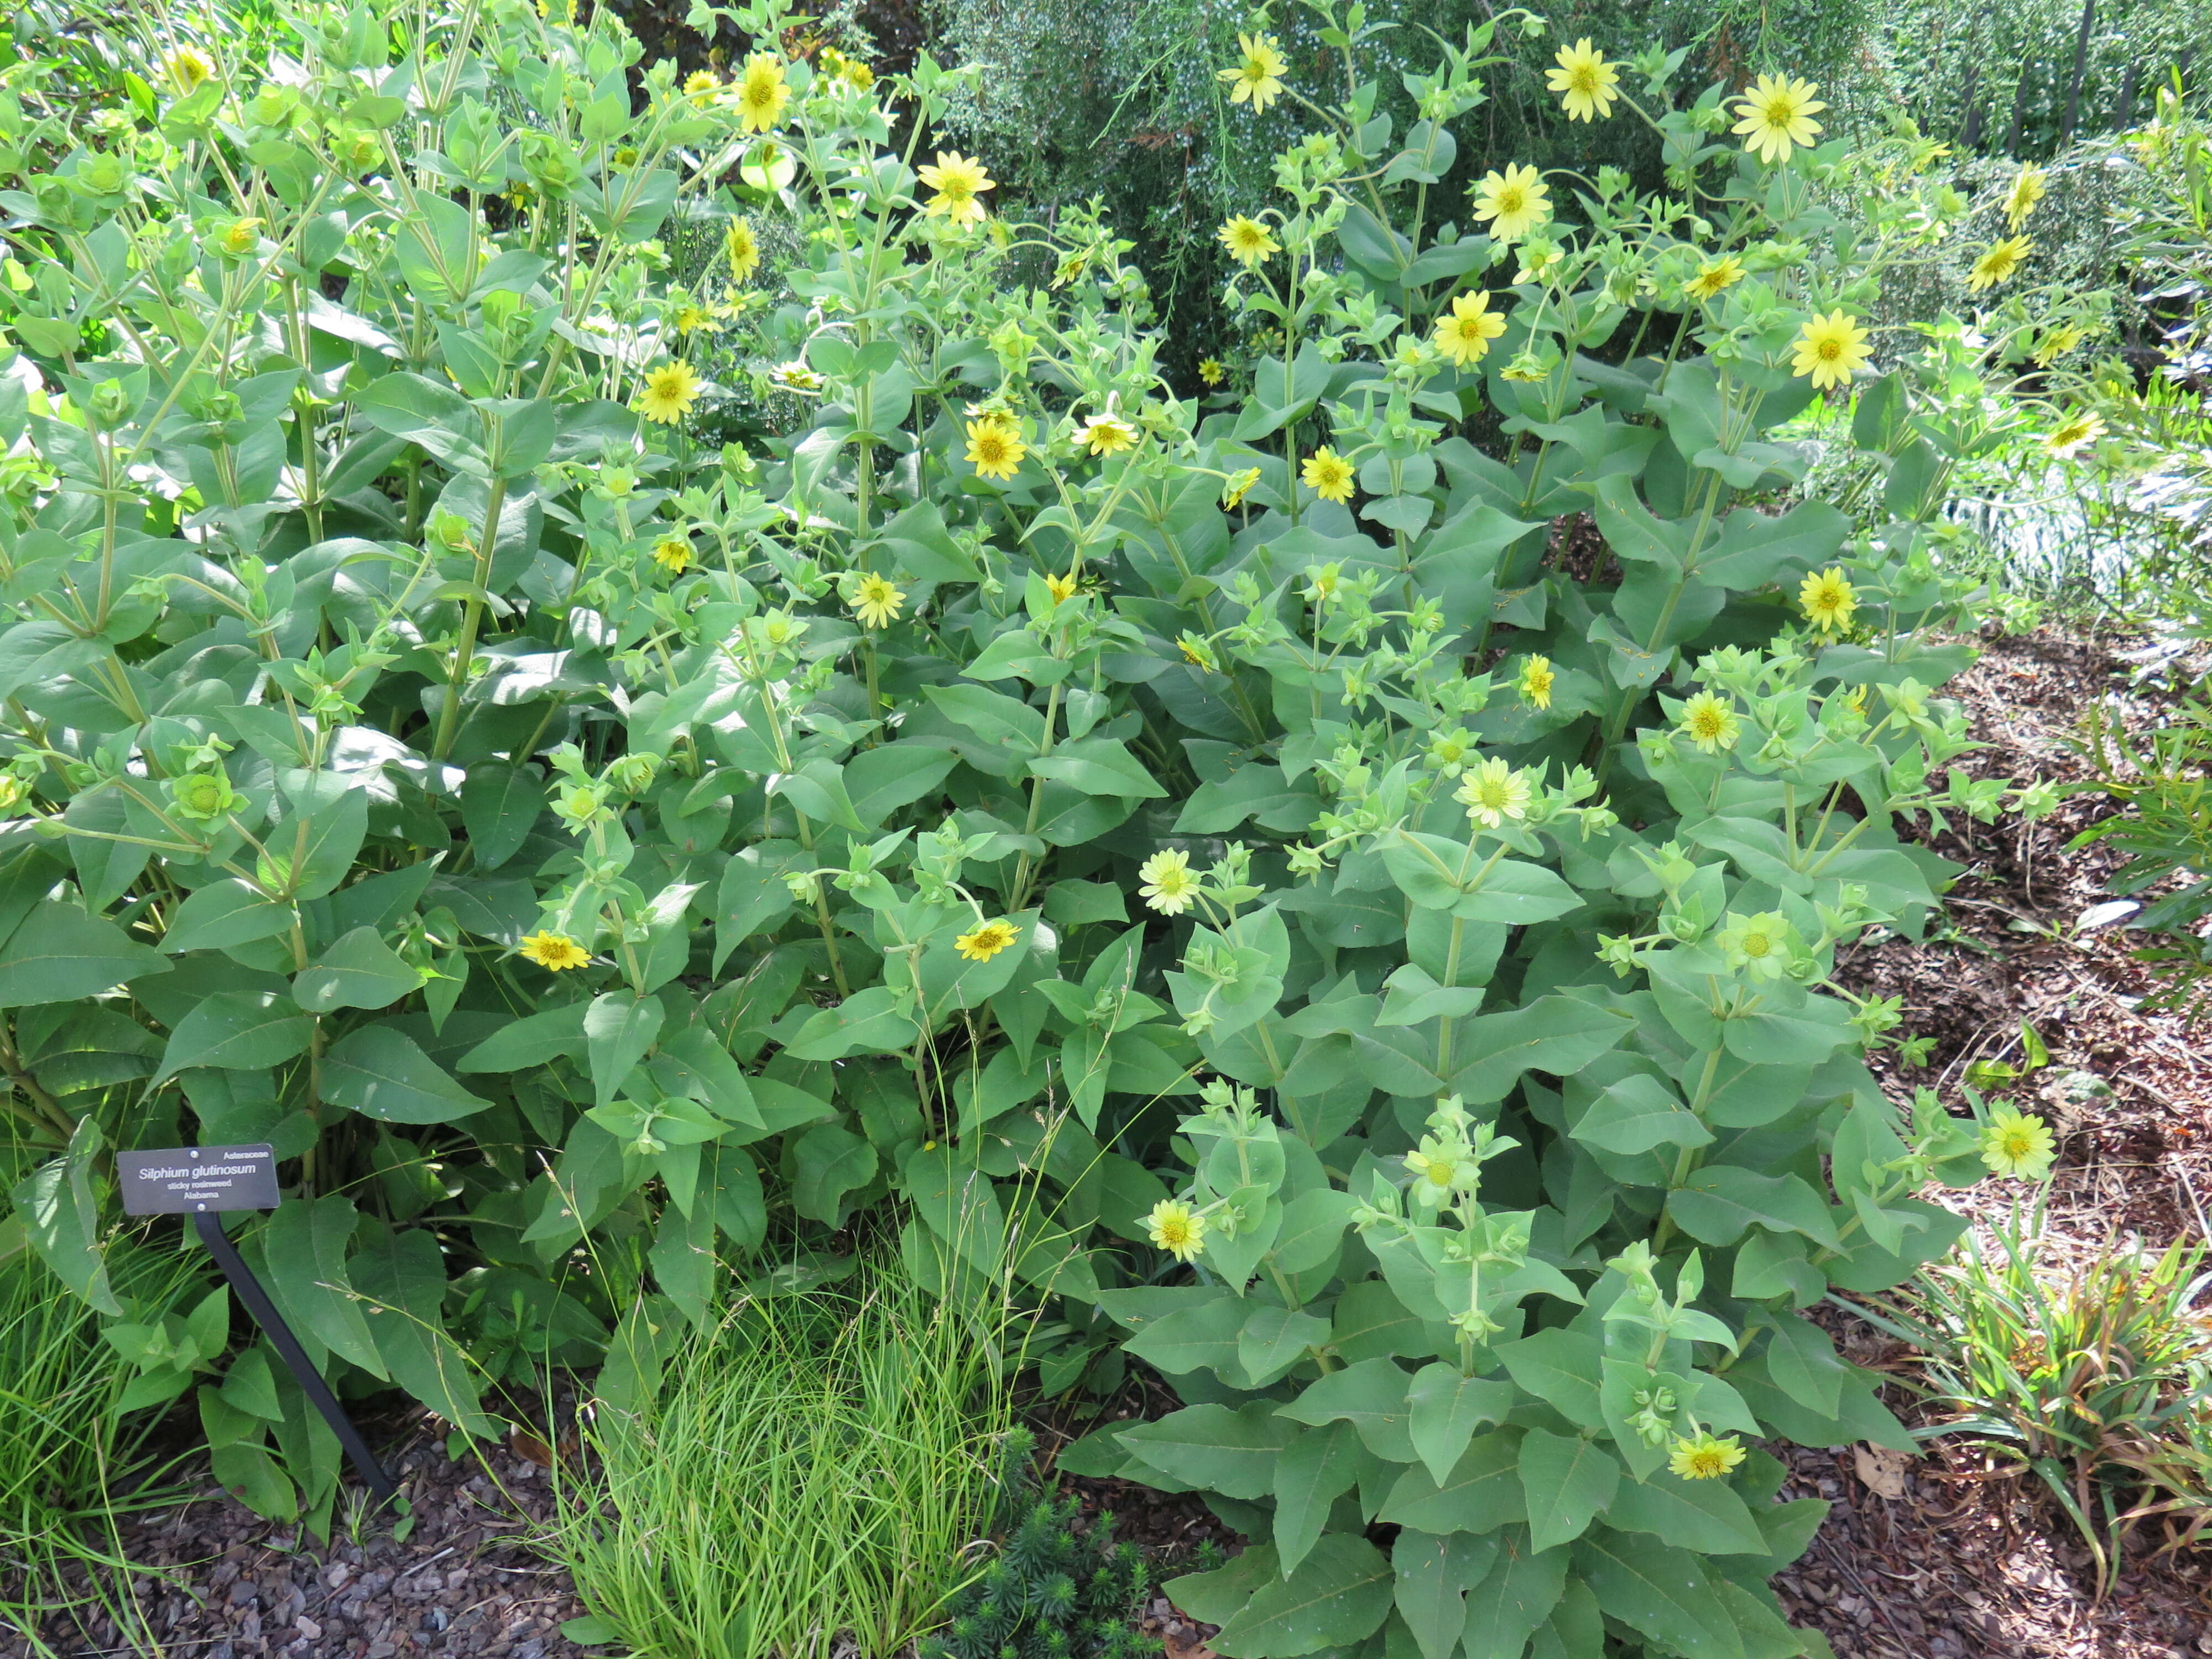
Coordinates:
2031 186
1248 241
2056 345
1166 883
669 391
689 320
1492 792
2015 1144
1514 202
1234 490
795 376
1257 80
1108 434
1827 601
876 602
187 67
1197 654
699 86
1210 370
672 555
1713 276
1999 262
986 941
959 181
1465 335
762 92
555 951
1177 1228
1062 588
1586 81
1434 1163
2073 433
1705 1458
1709 723
994 448
1777 115
1328 474
1536 682
741 249
1830 348
239 237
1526 367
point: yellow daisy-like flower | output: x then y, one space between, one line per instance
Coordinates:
2029 187
1166 884
1434 1164
795 376
701 85
553 951
1514 202
1328 475
741 249
1705 1458
1257 80
994 448
1827 601
1108 434
2016 1144
1709 723
2075 433
689 320
1830 348
1177 1228
1248 241
2056 345
1464 334
1536 682
1209 371
1999 262
672 555
1778 116
669 391
1062 588
1714 275
876 601
986 941
763 93
959 182
1492 792
1585 81
186 68
1238 486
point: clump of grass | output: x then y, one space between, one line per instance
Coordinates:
2097 1381
811 1470
73 1462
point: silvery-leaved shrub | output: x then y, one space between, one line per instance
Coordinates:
599 859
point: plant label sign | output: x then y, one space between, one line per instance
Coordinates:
185 1180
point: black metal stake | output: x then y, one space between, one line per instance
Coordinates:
209 1228
2081 64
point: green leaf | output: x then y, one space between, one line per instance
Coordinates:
1218 1596
1718 1202
1311 1473
1339 1595
303 1246
1273 1339
500 805
59 954
1519 1595
359 970
880 781
1434 1575
869 1022
1556 1034
380 1074
226 912
239 1030
831 1162
1448 1409
1482 1491
531 1041
1559 1367
1660 1592
1098 766
1214 1447
402 1278
1705 1515
1371 1395
1567 1482
1202 1335
619 1028
1638 1114
61 1217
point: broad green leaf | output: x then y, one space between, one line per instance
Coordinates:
1273 1339
304 1246
1567 1482
1339 1595
1705 1516
1638 1114
531 1041
359 970
1557 1034
1718 1202
380 1074
499 806
239 1030
1660 1592
869 1022
1311 1473
831 1162
1482 1493
1519 1595
619 1028
402 1277
1214 1447
59 954
1559 1367
1203 1334
60 1217
1218 1596
1434 1575
1448 1409
1371 1395
225 913
1098 766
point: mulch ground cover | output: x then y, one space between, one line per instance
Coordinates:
1947 1555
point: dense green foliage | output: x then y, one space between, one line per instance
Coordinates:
588 854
